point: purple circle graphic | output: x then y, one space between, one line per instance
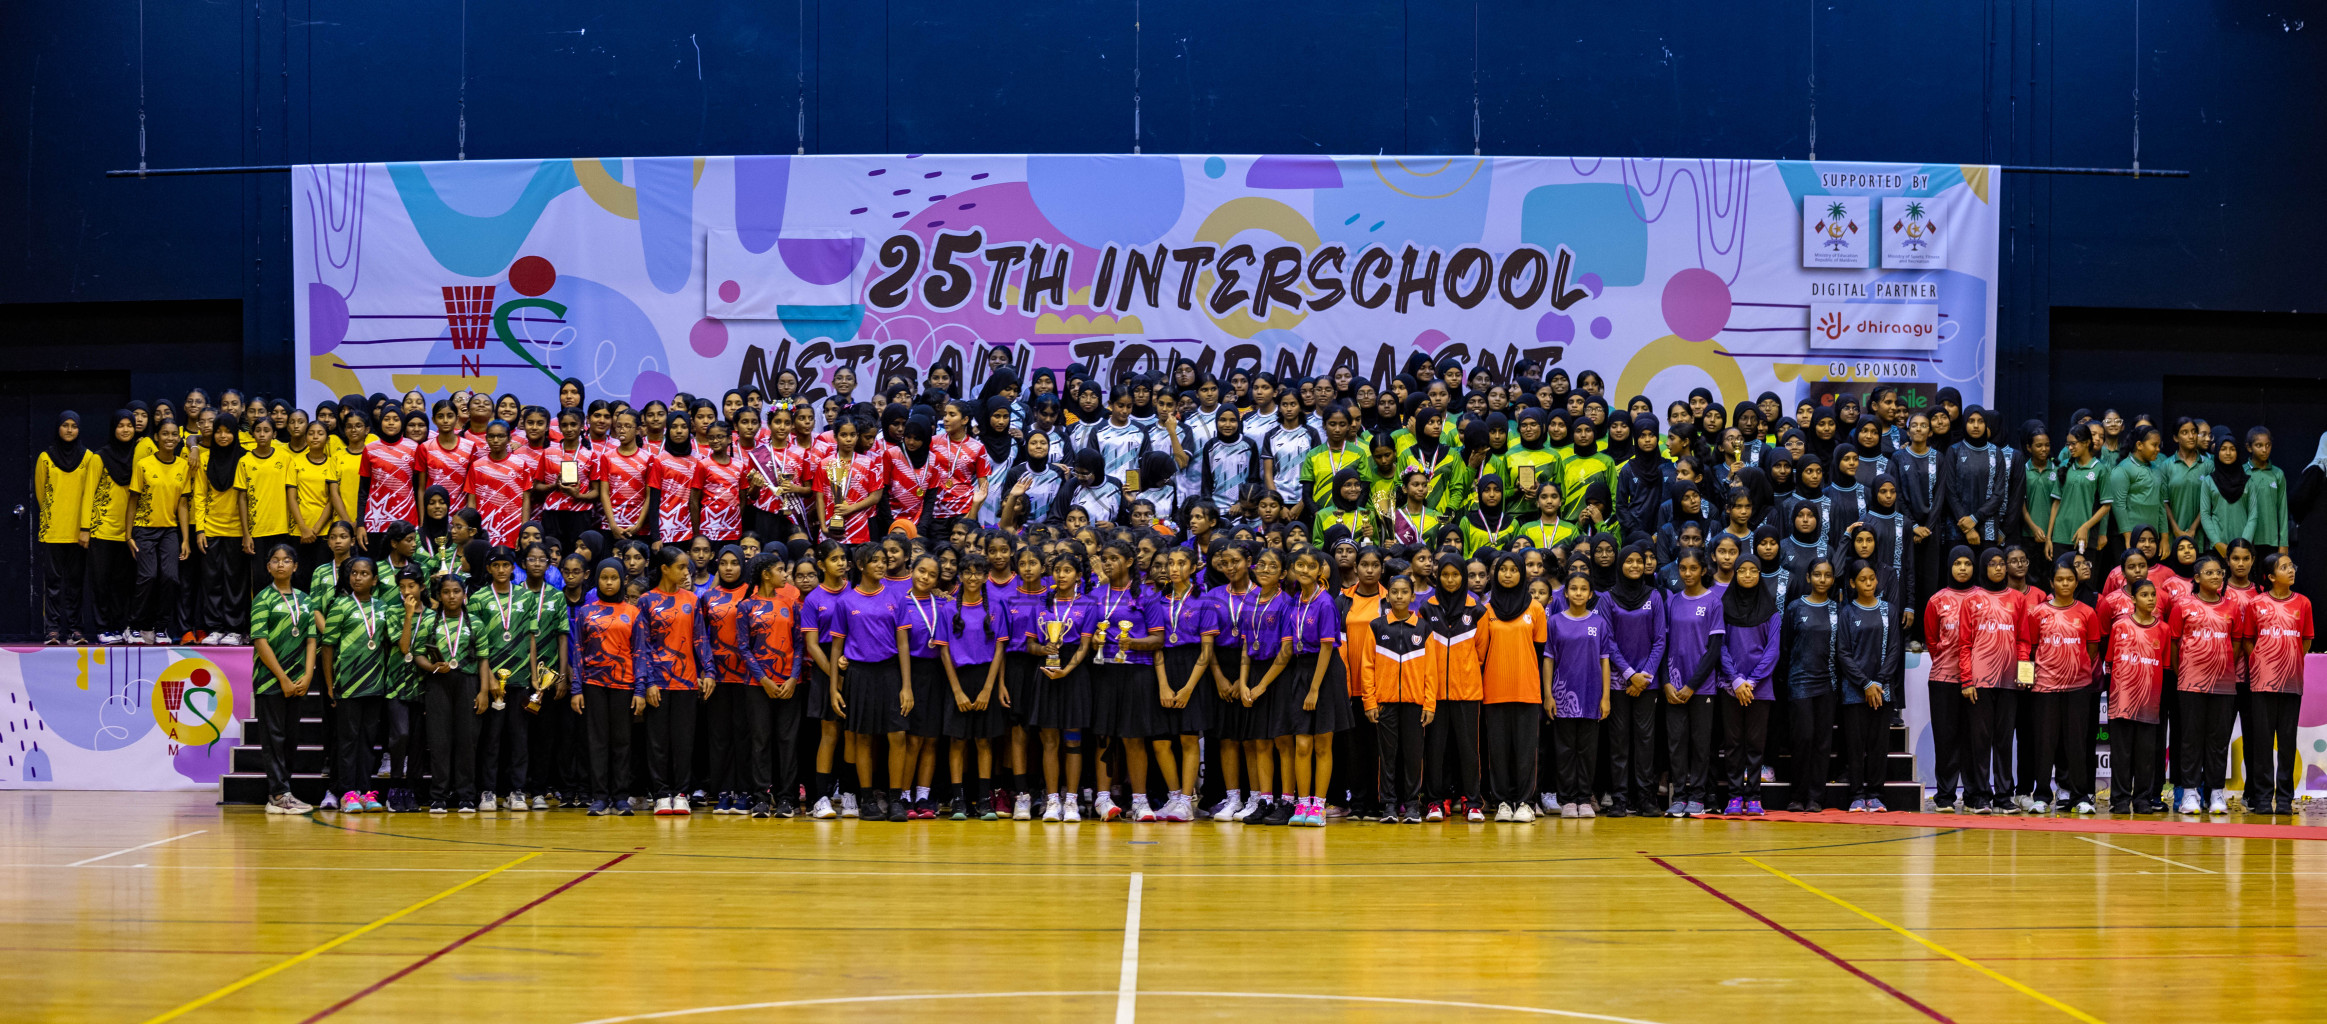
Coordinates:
653 386
1601 327
1696 304
728 290
708 337
1555 329
1591 283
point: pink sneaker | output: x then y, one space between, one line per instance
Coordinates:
352 802
372 803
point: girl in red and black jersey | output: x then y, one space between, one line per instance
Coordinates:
771 706
1943 637
671 678
2063 636
608 647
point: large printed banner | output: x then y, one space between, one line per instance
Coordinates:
647 276
121 717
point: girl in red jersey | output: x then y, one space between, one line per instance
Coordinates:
848 485
392 467
2063 636
623 490
673 475
500 482
1943 640
2139 648
721 481
670 676
2275 629
1987 655
446 458
608 647
2205 662
566 507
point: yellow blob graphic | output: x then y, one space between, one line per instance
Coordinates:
1976 176
1412 173
1252 213
429 383
611 196
329 371
1104 323
1673 350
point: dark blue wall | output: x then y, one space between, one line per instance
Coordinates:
2233 91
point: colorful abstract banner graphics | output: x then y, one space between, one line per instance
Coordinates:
644 277
140 718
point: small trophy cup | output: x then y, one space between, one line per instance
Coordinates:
1123 641
503 676
1054 630
837 471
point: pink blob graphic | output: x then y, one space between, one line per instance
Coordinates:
1555 328
728 290
1428 341
708 337
1696 304
1601 327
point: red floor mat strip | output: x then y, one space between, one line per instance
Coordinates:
2096 825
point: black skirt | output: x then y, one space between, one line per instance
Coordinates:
1138 712
974 725
1062 703
932 698
870 688
1191 720
1332 713
1235 721
1019 677
819 691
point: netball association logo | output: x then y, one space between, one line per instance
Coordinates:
1834 231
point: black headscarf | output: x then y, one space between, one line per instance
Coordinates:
598 580
1991 556
1756 486
1451 603
1681 513
117 454
1603 577
1541 419
1820 446
431 529
995 382
2229 477
591 539
1801 469
1345 476
918 429
1490 520
218 462
1947 573
1748 606
1511 602
1630 592
66 455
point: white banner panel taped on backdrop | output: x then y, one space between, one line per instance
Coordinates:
1913 236
1874 326
646 276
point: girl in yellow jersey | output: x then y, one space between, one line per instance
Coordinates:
106 516
160 535
60 486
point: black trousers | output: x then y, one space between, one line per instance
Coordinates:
2061 727
670 744
2136 763
784 747
111 572
565 526
359 719
404 719
1354 768
2271 760
606 712
504 744
272 720
1630 734
189 607
1865 749
1452 747
64 572
1745 731
1811 721
1575 745
225 586
1988 754
156 603
1509 733
1398 740
452 737
2201 739
740 722
1688 741
2029 768
1949 712
258 561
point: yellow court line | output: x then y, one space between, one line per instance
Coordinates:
1933 946
254 978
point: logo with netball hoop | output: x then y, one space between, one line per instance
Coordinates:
193 702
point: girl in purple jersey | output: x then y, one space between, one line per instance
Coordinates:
1230 721
1184 692
1268 652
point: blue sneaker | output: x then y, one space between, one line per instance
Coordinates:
1875 806
1858 807
1753 807
1736 806
598 808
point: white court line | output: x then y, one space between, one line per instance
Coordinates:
1127 989
2151 856
1536 1011
134 849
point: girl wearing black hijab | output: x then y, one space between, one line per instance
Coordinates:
1749 664
2220 516
60 487
1640 485
110 509
225 565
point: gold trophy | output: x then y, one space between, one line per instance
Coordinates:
1131 479
1122 641
836 470
570 473
1526 480
1054 630
503 676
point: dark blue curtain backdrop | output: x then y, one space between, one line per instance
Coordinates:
2231 90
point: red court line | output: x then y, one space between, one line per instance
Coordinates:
2011 822
463 941
1805 942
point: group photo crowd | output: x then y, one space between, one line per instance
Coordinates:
1458 594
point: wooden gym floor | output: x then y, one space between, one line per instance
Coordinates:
149 907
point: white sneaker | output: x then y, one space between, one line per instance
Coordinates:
330 801
2190 804
230 640
2219 806
679 805
1072 813
2084 807
1050 807
823 810
1549 802
1584 810
486 802
540 801
1567 810
848 805
285 803
109 639
1104 808
1502 812
517 801
1226 809
1139 808
662 805
1022 808
1180 807
1251 807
